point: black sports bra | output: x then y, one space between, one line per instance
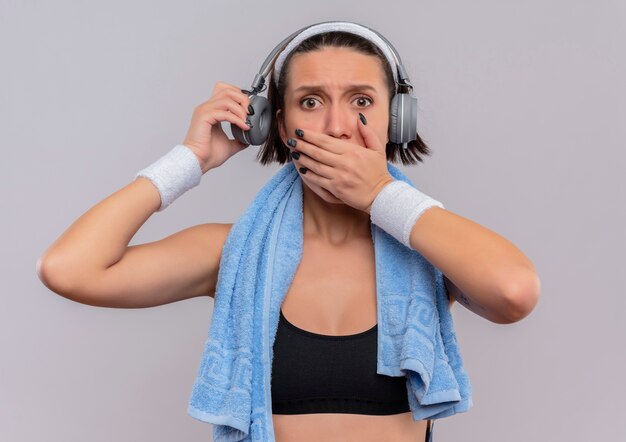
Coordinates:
314 373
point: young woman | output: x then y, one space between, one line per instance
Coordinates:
329 86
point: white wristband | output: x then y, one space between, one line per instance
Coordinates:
173 174
397 207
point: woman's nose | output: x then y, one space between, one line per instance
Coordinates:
339 122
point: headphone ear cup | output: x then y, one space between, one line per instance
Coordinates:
261 122
402 119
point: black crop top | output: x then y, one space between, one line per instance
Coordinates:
314 373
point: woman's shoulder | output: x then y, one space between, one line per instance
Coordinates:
214 234
208 240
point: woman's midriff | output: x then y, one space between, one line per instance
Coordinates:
342 427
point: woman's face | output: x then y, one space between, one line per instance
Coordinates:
326 90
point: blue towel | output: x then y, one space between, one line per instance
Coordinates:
416 337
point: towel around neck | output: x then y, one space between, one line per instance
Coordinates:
416 336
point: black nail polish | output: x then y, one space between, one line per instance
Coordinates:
291 142
245 92
250 110
362 117
295 155
299 132
303 170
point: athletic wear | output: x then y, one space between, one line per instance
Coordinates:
315 373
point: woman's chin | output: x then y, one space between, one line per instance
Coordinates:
328 197
325 196
332 199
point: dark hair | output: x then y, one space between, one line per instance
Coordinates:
275 150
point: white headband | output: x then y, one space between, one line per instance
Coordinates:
335 26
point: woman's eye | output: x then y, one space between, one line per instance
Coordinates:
309 102
360 99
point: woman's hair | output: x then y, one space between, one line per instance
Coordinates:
275 150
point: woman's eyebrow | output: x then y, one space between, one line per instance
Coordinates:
352 87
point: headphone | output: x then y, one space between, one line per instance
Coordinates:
403 107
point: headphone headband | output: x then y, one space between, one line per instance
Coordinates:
278 55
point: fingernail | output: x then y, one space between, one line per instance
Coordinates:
291 142
303 170
295 155
245 92
250 110
362 117
299 132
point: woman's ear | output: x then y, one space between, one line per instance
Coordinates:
281 126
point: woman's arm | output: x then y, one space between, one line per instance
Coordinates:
92 263
484 271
